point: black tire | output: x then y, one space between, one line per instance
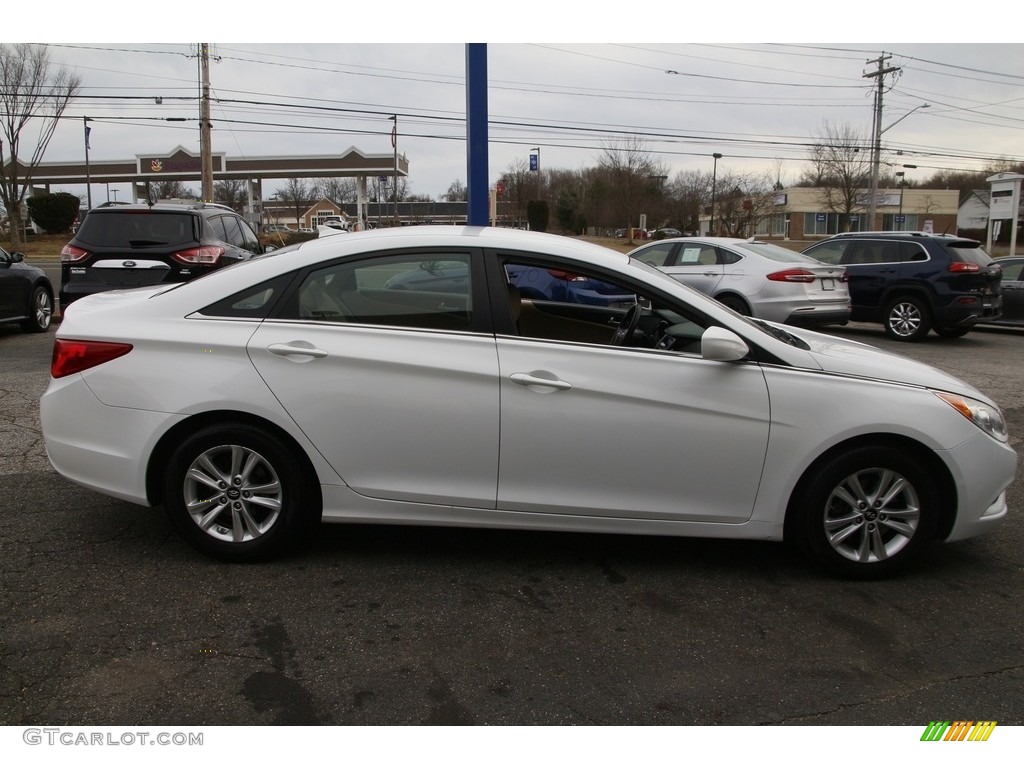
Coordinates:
40 311
865 514
735 303
952 333
908 318
237 494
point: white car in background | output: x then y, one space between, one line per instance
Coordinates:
755 278
263 398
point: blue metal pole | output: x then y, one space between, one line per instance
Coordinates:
476 134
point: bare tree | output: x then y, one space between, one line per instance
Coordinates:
744 200
688 194
629 165
840 169
456 192
339 191
231 192
29 90
297 194
170 190
519 185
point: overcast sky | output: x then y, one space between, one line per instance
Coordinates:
758 104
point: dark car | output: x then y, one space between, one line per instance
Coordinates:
26 296
125 246
914 282
1012 291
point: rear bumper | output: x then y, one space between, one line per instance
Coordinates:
964 313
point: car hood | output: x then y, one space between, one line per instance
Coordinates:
852 358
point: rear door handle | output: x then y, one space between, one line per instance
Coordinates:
296 348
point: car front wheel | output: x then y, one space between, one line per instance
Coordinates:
235 494
908 319
866 513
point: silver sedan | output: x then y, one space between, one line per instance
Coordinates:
755 278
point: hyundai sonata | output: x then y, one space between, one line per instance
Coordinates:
265 397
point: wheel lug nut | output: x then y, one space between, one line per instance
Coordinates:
238 505
222 500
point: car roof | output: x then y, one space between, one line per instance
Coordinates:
217 284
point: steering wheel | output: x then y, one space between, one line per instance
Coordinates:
626 327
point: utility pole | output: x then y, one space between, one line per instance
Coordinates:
205 151
876 132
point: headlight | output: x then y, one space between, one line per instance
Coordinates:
985 416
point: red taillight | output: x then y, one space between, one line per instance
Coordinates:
72 356
795 275
963 266
73 253
207 254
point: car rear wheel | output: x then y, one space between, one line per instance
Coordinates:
40 312
908 319
236 494
865 513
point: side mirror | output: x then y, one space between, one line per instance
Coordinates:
17 256
723 345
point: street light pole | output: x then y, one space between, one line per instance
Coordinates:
537 150
899 216
88 179
876 153
901 175
394 146
714 181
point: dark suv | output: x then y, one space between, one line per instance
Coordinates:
913 282
125 246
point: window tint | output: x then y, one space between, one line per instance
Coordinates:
696 254
252 303
128 229
828 253
913 252
656 255
226 228
874 252
1011 272
548 301
970 253
432 291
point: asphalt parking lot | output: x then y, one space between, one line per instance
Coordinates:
109 619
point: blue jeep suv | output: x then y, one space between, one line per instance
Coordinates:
914 282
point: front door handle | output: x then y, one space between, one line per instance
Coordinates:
529 380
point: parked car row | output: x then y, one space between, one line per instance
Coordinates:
910 282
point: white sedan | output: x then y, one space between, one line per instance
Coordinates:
299 387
